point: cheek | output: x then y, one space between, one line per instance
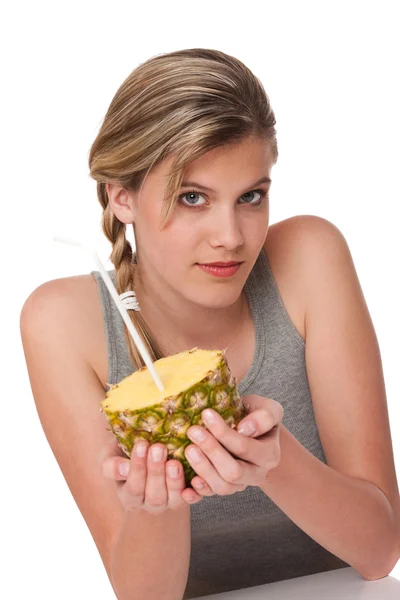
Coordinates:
180 238
174 252
255 227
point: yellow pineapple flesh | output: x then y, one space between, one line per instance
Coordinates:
193 381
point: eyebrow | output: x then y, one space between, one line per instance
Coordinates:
203 187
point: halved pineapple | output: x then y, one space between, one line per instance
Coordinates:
193 380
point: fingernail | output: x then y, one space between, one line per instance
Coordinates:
194 454
157 453
141 449
208 416
173 470
247 428
123 468
197 434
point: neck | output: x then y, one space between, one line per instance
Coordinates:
171 320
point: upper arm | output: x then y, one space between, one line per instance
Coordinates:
67 394
343 361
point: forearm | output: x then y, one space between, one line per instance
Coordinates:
151 556
349 517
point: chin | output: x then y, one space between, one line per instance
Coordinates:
217 299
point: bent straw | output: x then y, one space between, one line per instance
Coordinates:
114 294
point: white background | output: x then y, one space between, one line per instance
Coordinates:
331 72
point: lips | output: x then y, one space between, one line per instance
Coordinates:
225 271
221 264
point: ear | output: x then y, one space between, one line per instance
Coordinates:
122 203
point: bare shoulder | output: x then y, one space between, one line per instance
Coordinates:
76 301
307 254
74 292
290 246
292 241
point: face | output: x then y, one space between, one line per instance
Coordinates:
223 216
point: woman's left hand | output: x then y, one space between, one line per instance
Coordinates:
255 453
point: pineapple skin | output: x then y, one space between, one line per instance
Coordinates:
167 422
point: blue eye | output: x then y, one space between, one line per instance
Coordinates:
188 202
259 200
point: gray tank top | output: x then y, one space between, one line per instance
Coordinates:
244 540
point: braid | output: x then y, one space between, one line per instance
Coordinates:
123 260
201 109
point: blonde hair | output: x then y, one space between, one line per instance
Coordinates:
183 103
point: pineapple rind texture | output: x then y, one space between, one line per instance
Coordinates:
167 421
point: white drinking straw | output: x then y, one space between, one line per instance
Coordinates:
114 294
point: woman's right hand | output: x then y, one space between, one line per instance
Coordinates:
147 484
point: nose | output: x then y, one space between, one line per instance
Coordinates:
226 230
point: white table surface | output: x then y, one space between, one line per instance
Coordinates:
343 584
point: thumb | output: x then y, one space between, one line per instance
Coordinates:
252 402
110 450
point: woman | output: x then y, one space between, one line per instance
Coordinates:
185 155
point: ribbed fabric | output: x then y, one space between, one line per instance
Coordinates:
244 540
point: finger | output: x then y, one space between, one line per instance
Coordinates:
201 486
206 470
113 461
235 443
133 491
175 483
254 403
115 468
156 494
191 496
259 423
110 449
